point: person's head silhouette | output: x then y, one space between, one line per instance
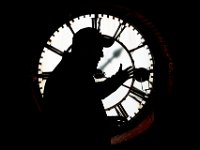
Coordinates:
90 37
87 46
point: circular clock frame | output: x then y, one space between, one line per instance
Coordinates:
163 77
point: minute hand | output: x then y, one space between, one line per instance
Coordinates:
115 55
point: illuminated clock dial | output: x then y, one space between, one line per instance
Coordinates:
129 49
132 101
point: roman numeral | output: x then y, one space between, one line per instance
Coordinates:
44 75
96 22
138 93
121 111
69 26
138 47
119 31
53 49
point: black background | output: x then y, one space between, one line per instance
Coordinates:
25 24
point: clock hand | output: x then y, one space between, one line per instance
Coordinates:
116 54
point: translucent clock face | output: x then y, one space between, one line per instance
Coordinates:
129 49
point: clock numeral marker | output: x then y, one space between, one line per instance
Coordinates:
119 30
53 49
121 111
138 92
135 98
69 26
96 22
139 46
44 75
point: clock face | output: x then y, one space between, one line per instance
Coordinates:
131 47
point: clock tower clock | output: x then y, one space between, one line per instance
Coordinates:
137 43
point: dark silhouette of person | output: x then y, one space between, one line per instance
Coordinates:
72 98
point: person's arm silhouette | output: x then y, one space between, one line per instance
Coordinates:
111 84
